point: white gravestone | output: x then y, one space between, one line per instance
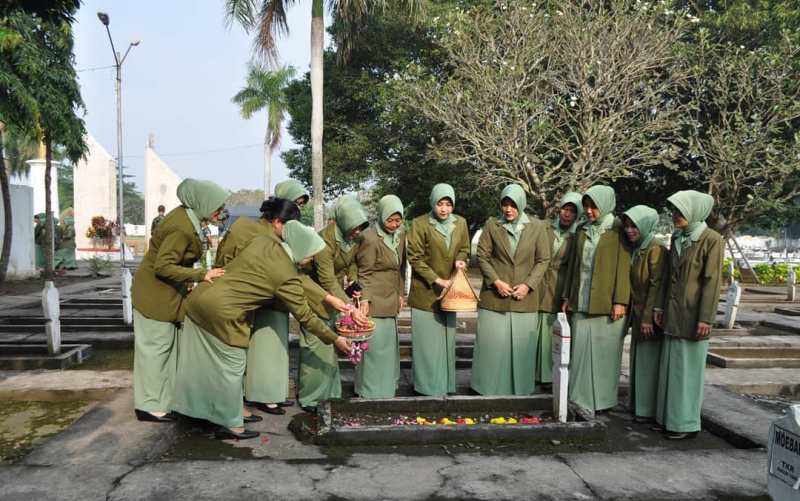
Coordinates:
52 315
127 304
731 271
783 457
561 344
791 280
732 300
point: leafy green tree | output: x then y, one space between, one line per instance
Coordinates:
268 19
266 89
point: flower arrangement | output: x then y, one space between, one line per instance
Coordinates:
103 230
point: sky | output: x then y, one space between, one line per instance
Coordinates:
177 84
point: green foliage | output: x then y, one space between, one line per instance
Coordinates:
134 203
99 266
266 89
66 185
246 198
772 273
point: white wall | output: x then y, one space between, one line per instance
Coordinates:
35 179
160 187
95 189
21 264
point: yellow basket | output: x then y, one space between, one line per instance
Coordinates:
459 296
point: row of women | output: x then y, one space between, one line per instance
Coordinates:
202 350
63 241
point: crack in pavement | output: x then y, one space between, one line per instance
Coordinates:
585 483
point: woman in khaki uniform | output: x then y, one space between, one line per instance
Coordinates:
648 277
438 243
159 287
559 236
690 309
292 190
597 292
319 366
513 254
381 259
216 332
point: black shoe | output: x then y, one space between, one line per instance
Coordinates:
252 418
226 434
286 403
146 416
278 410
680 435
642 419
657 427
311 409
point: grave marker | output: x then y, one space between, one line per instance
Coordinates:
561 344
52 313
791 280
127 304
732 300
783 463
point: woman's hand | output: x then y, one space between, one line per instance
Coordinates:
213 273
617 312
444 284
646 330
703 330
363 306
520 291
658 318
461 265
359 317
401 301
565 306
337 303
342 344
502 288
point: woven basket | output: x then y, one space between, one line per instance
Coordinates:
459 296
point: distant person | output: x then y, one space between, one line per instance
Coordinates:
38 238
690 309
206 230
157 219
65 255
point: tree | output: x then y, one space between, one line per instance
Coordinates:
557 96
266 89
269 19
744 135
245 198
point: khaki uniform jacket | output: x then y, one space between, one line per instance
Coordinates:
161 282
239 236
260 274
329 268
556 275
611 271
648 281
527 266
381 274
692 294
430 259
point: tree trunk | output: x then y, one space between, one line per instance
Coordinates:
5 254
267 163
317 43
48 209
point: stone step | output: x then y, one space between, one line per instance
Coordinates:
65 320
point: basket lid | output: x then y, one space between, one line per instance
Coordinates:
460 295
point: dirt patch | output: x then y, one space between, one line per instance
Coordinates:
23 425
35 285
107 360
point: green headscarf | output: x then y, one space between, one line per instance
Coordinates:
646 219
695 207
387 207
291 189
348 214
201 199
516 194
440 191
300 241
574 198
606 201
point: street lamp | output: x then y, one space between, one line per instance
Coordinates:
103 17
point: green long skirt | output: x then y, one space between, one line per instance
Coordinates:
644 362
209 379
318 377
65 258
154 363
433 347
39 254
596 360
504 360
544 350
378 374
681 377
267 374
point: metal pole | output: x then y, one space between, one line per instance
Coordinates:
120 174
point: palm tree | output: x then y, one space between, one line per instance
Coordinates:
266 89
268 19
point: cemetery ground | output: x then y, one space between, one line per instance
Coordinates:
72 434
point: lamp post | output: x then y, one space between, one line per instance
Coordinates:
103 17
